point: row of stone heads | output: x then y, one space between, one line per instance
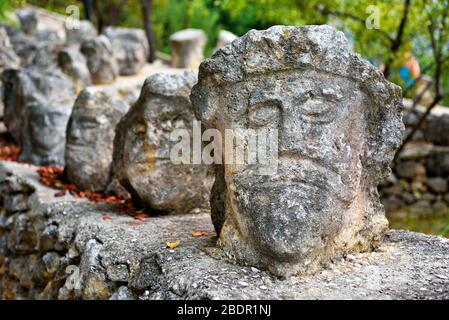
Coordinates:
339 123
91 58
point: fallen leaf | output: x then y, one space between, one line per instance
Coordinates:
174 244
107 217
198 233
141 216
60 193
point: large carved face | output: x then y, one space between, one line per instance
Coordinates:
320 136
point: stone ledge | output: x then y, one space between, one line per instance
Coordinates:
42 237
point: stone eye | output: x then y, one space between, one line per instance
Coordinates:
264 115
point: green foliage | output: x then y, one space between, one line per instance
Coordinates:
170 16
5 11
436 223
239 16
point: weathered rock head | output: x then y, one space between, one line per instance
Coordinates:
338 123
90 137
73 63
130 48
142 147
84 30
100 59
38 103
187 48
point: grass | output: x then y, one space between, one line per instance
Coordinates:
436 223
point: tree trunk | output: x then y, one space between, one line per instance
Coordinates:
398 40
147 6
99 16
88 9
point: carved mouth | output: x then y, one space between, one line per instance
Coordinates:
303 172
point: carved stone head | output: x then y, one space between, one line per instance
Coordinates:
143 144
130 48
338 123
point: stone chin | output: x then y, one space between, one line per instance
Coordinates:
286 220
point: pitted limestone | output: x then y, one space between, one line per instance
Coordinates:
339 125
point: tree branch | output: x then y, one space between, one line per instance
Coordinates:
397 42
326 11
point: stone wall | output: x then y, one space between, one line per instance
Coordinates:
66 248
420 176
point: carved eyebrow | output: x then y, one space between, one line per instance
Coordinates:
332 93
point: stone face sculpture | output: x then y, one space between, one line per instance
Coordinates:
187 48
130 48
38 103
100 59
90 137
142 148
339 125
73 63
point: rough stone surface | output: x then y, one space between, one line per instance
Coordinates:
86 30
62 248
339 122
73 63
35 20
90 137
142 147
38 103
48 49
46 32
8 58
437 184
411 170
187 48
24 46
437 129
438 161
100 59
130 48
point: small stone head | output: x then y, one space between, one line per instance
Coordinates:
130 48
100 59
142 147
39 107
90 136
94 118
43 133
338 125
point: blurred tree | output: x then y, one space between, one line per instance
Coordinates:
88 9
147 8
385 32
